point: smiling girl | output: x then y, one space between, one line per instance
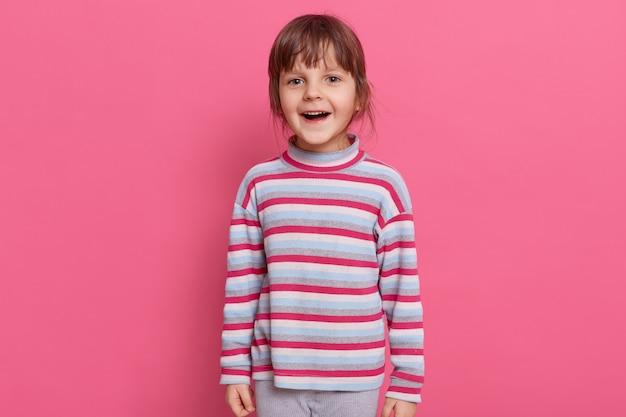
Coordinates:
321 250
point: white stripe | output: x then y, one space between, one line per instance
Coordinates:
314 296
323 325
338 269
320 184
320 238
244 280
321 381
321 353
231 307
331 162
239 333
288 208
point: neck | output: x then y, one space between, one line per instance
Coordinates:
324 161
335 145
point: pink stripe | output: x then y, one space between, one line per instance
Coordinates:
245 246
404 390
323 290
322 260
408 377
242 298
233 352
247 271
317 202
262 368
411 325
325 318
238 326
340 177
300 165
377 162
401 298
320 231
330 374
399 271
252 184
327 346
381 220
247 222
401 218
228 371
395 245
406 351
259 342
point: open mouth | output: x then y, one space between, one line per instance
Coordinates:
315 115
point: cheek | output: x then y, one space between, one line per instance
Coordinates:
352 105
286 101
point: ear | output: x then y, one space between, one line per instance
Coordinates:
360 101
357 105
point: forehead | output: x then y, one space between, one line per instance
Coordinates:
325 63
322 57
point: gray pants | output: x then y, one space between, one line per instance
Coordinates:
279 402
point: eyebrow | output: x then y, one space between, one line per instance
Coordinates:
336 68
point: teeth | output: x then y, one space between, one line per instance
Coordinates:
314 113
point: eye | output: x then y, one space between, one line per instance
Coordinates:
333 79
296 81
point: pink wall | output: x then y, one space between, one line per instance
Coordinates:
126 125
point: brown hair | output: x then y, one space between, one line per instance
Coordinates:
309 37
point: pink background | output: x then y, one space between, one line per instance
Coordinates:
126 126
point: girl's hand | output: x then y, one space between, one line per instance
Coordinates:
239 398
400 408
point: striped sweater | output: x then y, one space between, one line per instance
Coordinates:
321 245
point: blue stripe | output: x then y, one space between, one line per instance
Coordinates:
238 363
373 168
412 338
237 313
348 360
414 366
235 264
326 275
343 193
391 259
279 331
326 305
335 387
397 232
241 340
252 234
406 284
303 216
253 286
321 246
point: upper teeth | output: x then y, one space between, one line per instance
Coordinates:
314 113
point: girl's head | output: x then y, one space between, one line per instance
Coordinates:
313 40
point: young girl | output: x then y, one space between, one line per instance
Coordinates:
321 249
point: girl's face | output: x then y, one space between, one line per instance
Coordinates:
318 104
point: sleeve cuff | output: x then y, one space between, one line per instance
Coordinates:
408 397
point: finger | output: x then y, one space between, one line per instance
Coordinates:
233 398
236 407
389 403
239 411
246 399
404 409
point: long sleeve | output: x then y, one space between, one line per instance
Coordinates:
399 287
246 271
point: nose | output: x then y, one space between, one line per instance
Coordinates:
312 91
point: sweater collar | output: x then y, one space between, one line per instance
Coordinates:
324 161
